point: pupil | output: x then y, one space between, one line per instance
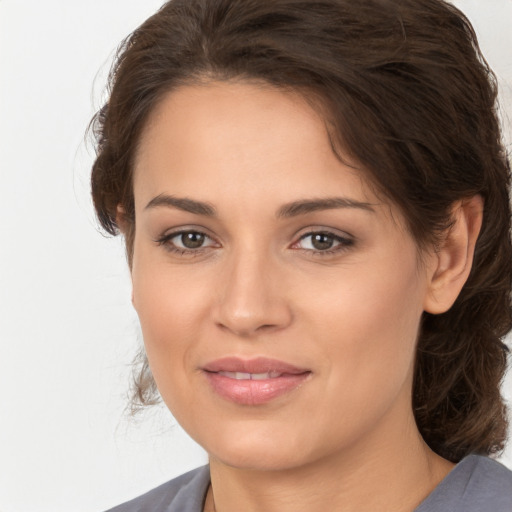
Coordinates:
192 240
322 242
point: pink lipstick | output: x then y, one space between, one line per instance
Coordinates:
253 381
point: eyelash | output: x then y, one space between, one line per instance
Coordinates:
166 242
344 243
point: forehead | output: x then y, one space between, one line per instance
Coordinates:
245 147
252 127
202 115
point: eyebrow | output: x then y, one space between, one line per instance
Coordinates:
182 203
312 205
293 209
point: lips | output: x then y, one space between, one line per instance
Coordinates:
254 381
250 376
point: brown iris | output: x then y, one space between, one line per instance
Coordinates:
192 240
321 241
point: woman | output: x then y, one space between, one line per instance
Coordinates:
314 198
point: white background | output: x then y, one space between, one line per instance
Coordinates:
67 329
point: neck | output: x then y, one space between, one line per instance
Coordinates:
394 474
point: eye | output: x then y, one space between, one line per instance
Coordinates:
189 240
323 242
186 241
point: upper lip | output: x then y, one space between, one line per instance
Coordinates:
256 365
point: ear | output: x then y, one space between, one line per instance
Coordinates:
453 258
121 220
122 224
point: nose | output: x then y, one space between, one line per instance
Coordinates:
251 296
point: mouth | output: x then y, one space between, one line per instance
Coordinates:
254 381
251 376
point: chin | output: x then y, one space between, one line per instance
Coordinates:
255 460
257 451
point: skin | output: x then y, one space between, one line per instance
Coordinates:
257 286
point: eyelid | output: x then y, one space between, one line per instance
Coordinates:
316 229
345 240
165 240
178 230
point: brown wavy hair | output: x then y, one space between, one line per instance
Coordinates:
406 92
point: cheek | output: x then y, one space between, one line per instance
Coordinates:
163 307
369 323
165 294
171 306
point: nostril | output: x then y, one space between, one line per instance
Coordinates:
248 331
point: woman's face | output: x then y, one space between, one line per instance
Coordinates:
279 298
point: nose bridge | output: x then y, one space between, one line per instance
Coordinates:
250 298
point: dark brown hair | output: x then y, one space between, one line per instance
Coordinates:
411 98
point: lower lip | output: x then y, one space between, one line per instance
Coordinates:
254 392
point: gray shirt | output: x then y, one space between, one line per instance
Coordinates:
476 484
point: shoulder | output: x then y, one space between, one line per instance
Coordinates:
476 484
184 494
